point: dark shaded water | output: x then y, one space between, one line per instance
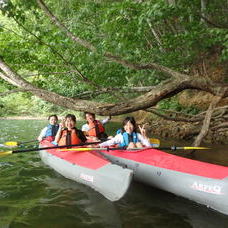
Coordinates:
33 195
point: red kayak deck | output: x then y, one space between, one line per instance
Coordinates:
165 160
84 159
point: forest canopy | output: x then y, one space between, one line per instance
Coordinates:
113 57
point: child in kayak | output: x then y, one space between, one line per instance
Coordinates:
94 129
49 132
128 136
68 134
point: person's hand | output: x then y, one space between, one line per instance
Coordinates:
143 130
39 139
131 145
62 124
93 145
92 139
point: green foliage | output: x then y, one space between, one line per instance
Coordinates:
27 105
173 35
173 105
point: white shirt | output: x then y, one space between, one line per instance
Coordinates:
118 139
86 127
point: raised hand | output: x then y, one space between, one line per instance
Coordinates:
62 124
143 130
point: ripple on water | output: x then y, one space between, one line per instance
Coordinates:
33 195
3 195
5 164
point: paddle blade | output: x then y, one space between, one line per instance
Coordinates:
4 153
11 144
155 142
78 149
195 148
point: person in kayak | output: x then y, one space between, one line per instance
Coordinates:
94 129
50 131
68 134
128 137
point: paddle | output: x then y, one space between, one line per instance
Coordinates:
143 148
154 141
15 144
44 148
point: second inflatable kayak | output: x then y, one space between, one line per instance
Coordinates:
201 182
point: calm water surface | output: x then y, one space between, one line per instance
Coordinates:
33 195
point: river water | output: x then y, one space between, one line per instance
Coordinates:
33 195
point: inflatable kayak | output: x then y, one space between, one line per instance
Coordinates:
88 168
201 182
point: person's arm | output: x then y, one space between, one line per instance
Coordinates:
104 121
116 140
143 131
59 132
42 134
58 135
143 140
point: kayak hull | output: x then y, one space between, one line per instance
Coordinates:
111 180
170 173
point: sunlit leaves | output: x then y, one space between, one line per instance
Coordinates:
172 35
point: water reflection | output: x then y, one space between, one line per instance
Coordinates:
93 207
155 207
33 195
218 154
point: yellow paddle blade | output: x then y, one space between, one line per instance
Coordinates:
77 149
195 148
5 153
155 142
11 144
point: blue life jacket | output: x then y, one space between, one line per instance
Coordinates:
133 137
51 130
119 131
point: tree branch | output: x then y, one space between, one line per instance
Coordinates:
11 91
212 23
174 116
149 99
181 117
49 73
56 21
141 102
114 58
207 120
83 78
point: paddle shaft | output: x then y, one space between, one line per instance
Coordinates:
52 147
182 148
133 149
35 140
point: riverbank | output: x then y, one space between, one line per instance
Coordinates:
114 119
155 126
178 130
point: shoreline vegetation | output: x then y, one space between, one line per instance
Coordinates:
155 126
22 118
79 118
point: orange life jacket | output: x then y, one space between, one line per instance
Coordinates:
69 137
95 128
